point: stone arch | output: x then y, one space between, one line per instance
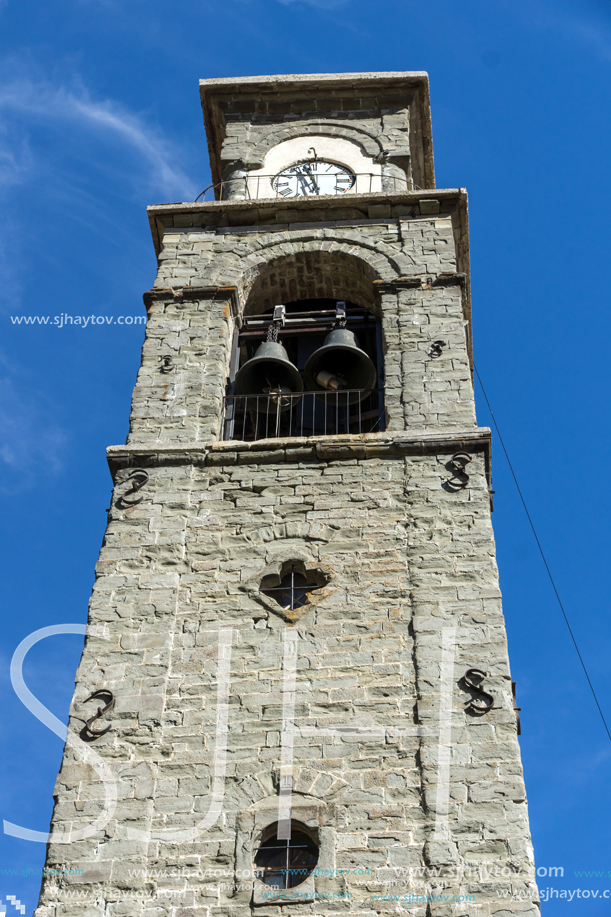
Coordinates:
263 786
310 268
370 143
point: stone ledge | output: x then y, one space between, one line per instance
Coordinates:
207 213
190 293
314 201
344 447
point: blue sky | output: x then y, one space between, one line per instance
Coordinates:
100 116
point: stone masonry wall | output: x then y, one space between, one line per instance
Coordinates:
380 122
423 391
405 556
184 405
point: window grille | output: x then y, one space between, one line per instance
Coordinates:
286 863
292 590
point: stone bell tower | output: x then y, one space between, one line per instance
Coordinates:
295 637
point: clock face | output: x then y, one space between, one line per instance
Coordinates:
313 177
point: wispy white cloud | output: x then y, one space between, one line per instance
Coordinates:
15 158
30 439
45 129
44 102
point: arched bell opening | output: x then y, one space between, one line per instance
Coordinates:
307 360
306 368
310 275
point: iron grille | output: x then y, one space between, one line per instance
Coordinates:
253 417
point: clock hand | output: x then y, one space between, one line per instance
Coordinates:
308 168
305 188
302 180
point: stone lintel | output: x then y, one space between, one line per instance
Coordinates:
343 447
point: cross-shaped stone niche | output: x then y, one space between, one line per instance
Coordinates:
286 588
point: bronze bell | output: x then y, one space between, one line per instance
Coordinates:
271 374
338 365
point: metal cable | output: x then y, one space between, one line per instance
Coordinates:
549 572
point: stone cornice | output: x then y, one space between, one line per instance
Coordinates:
345 447
243 212
249 84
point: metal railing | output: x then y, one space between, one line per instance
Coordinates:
253 417
244 186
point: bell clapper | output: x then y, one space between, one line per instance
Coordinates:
278 394
331 381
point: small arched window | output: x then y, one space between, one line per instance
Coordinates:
288 862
